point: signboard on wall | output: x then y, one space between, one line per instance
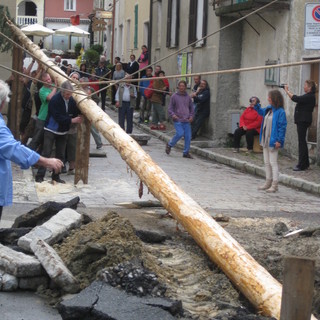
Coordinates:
185 66
312 26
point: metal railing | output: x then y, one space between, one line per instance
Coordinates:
26 20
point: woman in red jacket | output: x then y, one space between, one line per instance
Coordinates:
250 123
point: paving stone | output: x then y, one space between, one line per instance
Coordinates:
54 266
53 230
32 283
101 301
150 236
18 263
43 213
11 235
8 282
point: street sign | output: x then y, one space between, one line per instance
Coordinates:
104 14
98 28
312 26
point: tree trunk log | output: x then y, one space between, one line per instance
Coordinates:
261 289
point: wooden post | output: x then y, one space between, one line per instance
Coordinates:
16 98
298 285
82 153
260 288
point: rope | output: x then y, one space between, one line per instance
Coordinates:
38 80
193 43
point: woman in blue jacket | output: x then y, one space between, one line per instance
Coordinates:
272 135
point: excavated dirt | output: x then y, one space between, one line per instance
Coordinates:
108 248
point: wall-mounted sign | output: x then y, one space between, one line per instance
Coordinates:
312 26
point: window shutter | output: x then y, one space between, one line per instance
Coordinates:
135 40
205 20
169 22
192 21
178 23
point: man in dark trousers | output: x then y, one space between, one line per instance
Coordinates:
102 72
202 100
62 112
113 88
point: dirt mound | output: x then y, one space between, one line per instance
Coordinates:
98 245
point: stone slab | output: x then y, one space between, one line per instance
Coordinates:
18 263
43 213
54 266
8 282
53 230
11 235
33 283
101 301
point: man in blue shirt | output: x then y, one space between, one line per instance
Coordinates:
13 150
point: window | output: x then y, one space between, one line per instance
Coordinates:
197 21
70 5
135 40
173 23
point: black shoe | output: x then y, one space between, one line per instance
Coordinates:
58 180
99 146
64 169
187 155
39 179
168 149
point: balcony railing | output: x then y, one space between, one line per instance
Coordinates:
25 20
223 7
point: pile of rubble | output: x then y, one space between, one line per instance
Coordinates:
67 253
27 259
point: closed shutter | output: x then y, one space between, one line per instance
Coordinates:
135 40
169 17
192 21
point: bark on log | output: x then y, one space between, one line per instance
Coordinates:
248 276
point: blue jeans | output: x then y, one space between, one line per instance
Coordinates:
126 112
183 129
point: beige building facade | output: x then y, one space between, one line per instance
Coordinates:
131 27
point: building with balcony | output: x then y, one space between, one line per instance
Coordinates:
29 12
57 15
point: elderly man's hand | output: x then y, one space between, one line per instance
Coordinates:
51 163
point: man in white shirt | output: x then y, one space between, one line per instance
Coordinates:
125 102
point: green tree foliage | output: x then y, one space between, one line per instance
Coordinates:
77 48
5 45
92 57
98 48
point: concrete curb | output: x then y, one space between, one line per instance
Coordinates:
244 166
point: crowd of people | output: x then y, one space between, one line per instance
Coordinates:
50 115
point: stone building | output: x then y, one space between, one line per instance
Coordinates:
274 35
131 27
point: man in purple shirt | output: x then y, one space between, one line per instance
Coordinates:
181 111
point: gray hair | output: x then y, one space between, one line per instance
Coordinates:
66 86
84 79
73 73
4 92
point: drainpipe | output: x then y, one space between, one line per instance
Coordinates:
112 38
150 30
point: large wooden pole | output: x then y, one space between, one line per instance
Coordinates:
261 289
